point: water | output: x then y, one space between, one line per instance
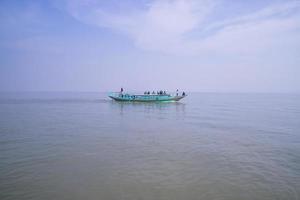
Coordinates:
209 146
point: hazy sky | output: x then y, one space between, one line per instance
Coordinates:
195 45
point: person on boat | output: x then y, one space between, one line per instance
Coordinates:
121 89
183 93
177 92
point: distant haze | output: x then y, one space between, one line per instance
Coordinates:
192 45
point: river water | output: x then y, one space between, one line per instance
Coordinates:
208 146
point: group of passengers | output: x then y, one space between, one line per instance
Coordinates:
158 92
155 93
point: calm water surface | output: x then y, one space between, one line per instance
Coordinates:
209 146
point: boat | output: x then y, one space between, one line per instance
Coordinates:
119 96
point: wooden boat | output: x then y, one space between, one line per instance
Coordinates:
118 96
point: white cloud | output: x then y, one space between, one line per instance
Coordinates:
167 25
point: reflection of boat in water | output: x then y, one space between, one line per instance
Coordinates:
119 96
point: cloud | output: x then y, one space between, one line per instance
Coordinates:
193 27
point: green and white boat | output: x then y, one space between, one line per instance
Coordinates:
118 96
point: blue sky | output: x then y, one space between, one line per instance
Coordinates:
194 45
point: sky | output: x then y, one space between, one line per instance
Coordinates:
192 45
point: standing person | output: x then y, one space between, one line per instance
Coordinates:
177 92
121 89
